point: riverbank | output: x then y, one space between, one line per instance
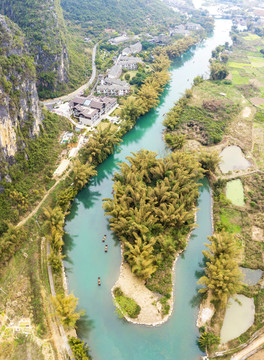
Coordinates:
146 134
245 131
149 301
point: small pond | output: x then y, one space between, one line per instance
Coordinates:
232 158
238 318
251 277
235 192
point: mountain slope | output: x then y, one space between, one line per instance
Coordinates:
44 28
20 113
97 15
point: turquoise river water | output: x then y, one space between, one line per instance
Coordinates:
109 337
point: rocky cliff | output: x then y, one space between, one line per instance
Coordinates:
43 24
20 113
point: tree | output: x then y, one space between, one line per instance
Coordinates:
65 197
10 241
224 58
175 140
207 339
218 71
148 95
79 348
127 77
65 308
55 261
161 63
130 109
140 257
209 161
82 174
54 218
100 146
55 239
152 209
222 274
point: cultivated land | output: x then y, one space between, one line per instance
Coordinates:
238 107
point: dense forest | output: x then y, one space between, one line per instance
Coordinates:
95 16
152 212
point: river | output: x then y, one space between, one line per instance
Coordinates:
109 337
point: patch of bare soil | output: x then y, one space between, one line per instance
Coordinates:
257 234
258 356
257 101
246 112
135 288
256 83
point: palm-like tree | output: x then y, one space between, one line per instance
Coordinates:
101 145
153 199
54 218
131 109
222 274
65 308
140 257
82 174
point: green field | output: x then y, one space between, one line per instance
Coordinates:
247 63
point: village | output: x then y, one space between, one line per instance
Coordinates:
86 112
99 105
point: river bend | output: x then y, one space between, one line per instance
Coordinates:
109 337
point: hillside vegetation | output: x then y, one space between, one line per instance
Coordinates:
95 16
53 47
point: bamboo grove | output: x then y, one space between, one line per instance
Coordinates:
148 95
153 207
222 274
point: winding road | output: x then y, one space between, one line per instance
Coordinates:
80 90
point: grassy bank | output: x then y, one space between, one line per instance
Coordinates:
216 114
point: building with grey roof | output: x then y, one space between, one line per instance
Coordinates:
129 62
88 110
113 87
115 72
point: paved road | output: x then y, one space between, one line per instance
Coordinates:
81 89
249 350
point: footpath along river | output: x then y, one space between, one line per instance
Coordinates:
109 337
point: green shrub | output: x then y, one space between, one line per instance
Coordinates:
128 306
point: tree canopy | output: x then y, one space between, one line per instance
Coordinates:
153 207
222 274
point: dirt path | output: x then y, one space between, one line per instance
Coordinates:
234 176
57 172
33 212
249 350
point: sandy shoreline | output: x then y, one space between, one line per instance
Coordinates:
133 287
